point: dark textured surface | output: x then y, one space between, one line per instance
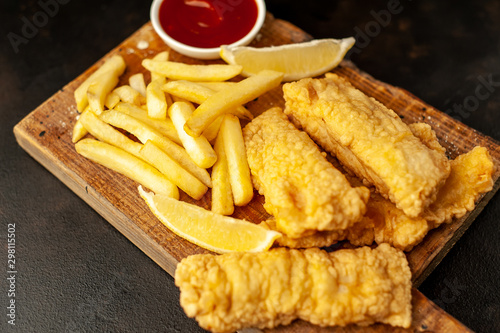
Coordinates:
76 273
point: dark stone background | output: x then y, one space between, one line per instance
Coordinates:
76 273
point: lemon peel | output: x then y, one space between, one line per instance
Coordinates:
209 230
296 61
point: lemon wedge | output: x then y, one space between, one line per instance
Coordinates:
296 61
206 229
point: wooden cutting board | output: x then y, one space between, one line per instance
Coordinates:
46 135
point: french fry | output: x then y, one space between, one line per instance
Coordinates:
179 99
115 64
79 131
173 171
137 82
163 126
105 132
222 195
168 98
156 100
223 101
126 164
99 90
128 94
198 94
112 100
162 56
216 86
213 129
188 90
180 71
239 171
198 148
145 133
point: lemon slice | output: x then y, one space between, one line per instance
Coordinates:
297 61
206 229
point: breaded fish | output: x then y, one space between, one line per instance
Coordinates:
385 223
427 136
470 177
382 223
317 239
369 139
237 290
302 190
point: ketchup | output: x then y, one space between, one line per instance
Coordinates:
208 23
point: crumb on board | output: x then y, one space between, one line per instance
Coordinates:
142 45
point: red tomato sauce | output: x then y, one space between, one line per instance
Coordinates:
208 23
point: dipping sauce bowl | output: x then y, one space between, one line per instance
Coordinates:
197 28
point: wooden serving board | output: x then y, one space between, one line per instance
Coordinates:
46 135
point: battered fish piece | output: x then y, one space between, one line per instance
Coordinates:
318 239
428 137
369 139
470 177
385 223
237 290
303 191
382 223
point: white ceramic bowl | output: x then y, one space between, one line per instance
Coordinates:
204 53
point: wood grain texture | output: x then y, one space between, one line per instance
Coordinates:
46 135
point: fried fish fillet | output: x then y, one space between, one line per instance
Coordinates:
470 177
236 290
427 136
369 139
382 223
302 190
385 223
317 239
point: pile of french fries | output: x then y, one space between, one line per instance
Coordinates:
186 121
